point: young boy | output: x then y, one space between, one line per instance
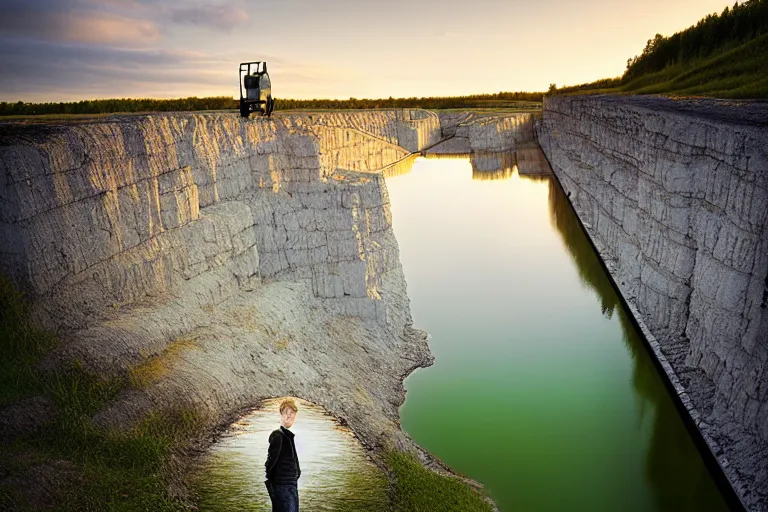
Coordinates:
282 466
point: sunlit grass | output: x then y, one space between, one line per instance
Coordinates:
739 73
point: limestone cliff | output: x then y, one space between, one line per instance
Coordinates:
674 194
489 132
247 258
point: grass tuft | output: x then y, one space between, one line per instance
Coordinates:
418 489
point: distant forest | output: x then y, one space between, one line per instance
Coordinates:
498 100
722 55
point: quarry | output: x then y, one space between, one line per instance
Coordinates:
246 259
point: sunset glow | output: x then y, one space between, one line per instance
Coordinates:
86 49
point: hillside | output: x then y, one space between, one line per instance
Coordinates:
723 56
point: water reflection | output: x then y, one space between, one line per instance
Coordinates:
400 167
492 166
336 474
671 451
526 324
532 163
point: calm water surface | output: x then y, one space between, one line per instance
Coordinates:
541 388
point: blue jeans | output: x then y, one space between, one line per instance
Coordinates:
285 497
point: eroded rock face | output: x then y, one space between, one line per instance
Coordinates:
247 258
498 133
484 132
675 195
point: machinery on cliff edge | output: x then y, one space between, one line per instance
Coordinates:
258 89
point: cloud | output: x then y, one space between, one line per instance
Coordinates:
108 29
121 4
128 23
73 21
225 16
75 71
75 66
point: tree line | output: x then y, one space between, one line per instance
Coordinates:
713 34
500 99
132 105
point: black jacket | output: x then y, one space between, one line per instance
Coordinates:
282 466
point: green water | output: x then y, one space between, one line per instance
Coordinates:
541 388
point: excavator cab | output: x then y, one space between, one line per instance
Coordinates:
255 89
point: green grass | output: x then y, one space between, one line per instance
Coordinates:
106 470
22 345
739 73
113 471
418 489
88 109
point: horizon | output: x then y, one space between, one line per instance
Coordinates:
106 49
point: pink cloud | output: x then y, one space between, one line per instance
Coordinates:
104 28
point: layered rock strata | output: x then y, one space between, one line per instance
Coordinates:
240 259
472 131
675 196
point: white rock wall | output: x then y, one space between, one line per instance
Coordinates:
411 129
677 194
103 214
497 133
246 259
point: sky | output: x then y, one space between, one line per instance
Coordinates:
68 50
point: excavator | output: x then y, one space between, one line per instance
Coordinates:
255 89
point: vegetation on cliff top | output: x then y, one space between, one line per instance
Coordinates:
724 55
497 100
64 461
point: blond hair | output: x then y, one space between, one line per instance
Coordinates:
288 403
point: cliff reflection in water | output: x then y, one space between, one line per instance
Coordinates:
525 323
528 162
673 468
399 168
492 166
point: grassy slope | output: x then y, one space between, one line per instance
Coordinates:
737 73
93 469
